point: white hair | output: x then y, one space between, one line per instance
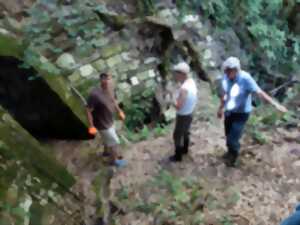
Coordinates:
182 67
231 63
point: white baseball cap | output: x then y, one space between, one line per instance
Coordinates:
182 67
231 63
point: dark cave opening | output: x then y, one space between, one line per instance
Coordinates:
35 105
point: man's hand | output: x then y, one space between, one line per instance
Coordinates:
220 113
281 108
93 131
122 115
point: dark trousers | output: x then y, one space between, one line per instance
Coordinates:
234 126
181 134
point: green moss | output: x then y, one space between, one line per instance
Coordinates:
36 212
10 46
60 85
85 87
111 50
20 145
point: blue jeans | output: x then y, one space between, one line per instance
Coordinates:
234 126
293 219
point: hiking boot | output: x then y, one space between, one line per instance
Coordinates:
106 154
231 160
225 156
185 151
175 158
185 148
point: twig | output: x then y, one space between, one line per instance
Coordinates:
292 81
78 94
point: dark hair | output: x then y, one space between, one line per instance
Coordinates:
103 76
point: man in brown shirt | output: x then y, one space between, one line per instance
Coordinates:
101 106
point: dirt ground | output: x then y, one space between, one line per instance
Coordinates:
266 179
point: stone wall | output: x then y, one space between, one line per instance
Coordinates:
134 54
139 52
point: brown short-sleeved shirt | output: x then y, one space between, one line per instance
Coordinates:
103 107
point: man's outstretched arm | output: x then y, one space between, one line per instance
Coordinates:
263 95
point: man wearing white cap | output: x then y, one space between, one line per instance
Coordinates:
186 99
238 87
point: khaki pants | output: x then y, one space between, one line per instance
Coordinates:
109 137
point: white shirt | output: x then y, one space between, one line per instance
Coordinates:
191 99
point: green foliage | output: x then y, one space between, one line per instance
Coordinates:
254 129
145 133
16 214
146 7
145 207
233 198
161 130
226 220
262 26
140 135
265 118
123 193
171 200
20 188
166 180
218 9
135 116
138 109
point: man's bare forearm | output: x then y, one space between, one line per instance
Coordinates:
90 117
263 95
222 102
117 107
221 107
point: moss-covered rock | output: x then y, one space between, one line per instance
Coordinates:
18 144
9 44
111 50
66 61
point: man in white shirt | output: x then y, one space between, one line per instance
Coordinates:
186 100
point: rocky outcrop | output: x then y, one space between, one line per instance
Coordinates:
29 185
139 52
13 47
18 144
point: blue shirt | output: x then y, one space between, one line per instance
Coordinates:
238 92
293 219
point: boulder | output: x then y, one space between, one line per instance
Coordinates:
87 70
17 143
66 61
